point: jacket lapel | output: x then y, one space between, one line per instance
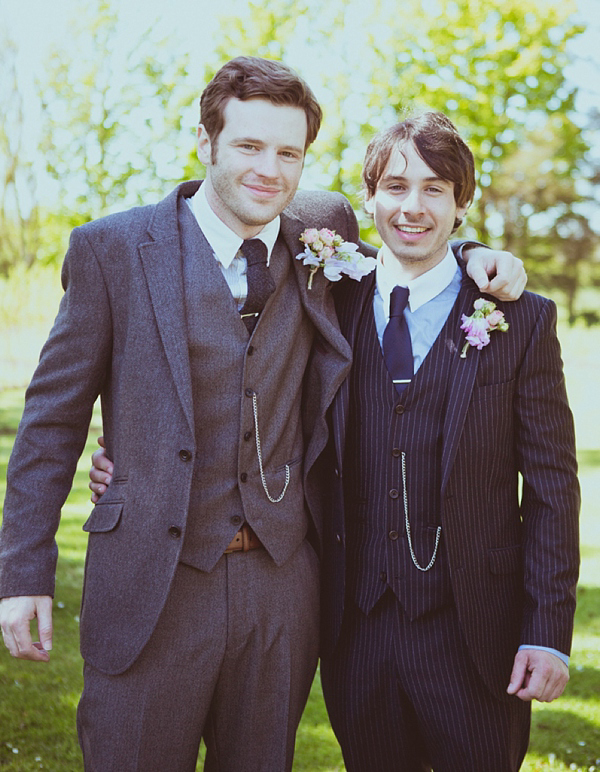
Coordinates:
353 300
461 382
162 264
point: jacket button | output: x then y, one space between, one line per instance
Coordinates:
394 494
399 409
250 350
174 532
249 392
185 455
244 476
338 538
393 535
236 520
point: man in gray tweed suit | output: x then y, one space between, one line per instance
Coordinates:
200 609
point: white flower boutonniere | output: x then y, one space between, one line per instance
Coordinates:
327 250
478 326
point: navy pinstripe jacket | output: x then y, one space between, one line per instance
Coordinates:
513 556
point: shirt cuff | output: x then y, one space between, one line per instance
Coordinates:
459 246
556 653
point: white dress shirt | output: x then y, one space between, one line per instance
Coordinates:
226 244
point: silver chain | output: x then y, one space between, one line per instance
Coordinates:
410 546
260 463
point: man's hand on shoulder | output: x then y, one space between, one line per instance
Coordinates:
500 274
16 614
100 473
537 675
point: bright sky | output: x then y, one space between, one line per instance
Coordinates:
38 24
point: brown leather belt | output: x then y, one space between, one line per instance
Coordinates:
244 541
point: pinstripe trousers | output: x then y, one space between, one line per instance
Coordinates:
404 696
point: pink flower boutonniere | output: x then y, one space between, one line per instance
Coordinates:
478 326
327 250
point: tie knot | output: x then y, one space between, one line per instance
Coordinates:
398 301
255 251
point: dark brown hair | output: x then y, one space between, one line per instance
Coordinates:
437 142
249 77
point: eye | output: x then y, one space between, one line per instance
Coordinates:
290 155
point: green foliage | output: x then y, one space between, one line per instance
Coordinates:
112 116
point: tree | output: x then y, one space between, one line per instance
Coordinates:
112 117
19 214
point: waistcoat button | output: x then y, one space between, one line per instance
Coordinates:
399 409
394 494
396 452
244 477
236 520
247 436
383 576
393 535
249 392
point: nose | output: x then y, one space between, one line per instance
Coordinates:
412 203
267 165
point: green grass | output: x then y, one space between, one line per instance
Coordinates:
38 702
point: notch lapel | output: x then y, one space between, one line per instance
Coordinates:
353 303
462 380
162 264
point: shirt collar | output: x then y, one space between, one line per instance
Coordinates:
422 289
223 241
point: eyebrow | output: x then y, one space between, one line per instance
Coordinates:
254 141
402 178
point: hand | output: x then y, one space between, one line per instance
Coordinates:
537 675
15 616
100 473
500 274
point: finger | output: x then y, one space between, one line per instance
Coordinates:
10 642
44 622
101 442
480 277
101 461
518 675
25 649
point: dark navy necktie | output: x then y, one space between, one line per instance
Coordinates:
397 348
260 282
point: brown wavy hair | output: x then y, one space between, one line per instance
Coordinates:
250 77
437 142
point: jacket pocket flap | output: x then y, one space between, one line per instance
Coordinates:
104 517
506 560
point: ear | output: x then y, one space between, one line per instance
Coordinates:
203 145
461 211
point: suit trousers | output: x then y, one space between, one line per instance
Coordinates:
404 696
231 660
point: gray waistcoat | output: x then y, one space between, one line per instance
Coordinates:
226 369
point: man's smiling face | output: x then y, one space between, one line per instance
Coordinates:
255 171
414 210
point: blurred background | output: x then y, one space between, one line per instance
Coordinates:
98 112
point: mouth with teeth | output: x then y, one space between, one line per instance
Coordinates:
411 232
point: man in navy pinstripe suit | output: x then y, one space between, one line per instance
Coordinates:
448 597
